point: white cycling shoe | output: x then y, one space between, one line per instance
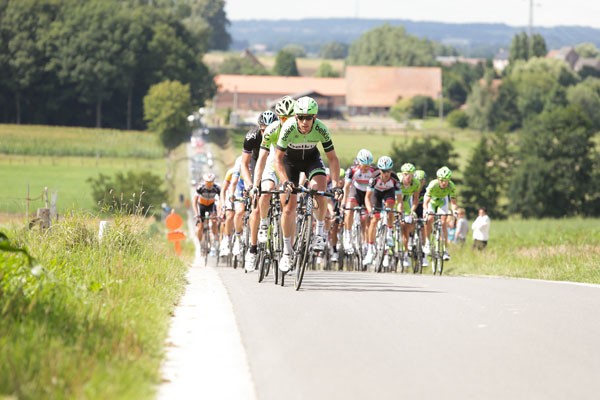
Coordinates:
250 261
285 263
262 234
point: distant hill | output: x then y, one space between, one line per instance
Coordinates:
474 40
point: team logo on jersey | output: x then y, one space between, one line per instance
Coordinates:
302 146
322 131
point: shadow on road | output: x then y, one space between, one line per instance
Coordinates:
355 283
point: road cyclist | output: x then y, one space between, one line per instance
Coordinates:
297 152
204 204
440 198
411 188
250 152
383 189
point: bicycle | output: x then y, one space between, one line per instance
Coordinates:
415 251
207 239
238 259
355 257
303 253
438 243
270 252
382 248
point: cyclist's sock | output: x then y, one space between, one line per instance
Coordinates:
253 249
320 225
264 221
287 245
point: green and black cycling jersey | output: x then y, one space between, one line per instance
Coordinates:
299 146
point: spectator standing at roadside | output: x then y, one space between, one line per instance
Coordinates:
481 230
462 227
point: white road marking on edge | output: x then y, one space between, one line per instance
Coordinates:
205 357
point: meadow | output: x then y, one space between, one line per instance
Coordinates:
63 158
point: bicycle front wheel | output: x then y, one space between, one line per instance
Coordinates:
304 250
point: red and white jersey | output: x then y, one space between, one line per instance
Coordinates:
360 179
377 183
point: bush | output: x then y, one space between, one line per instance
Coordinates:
458 119
133 193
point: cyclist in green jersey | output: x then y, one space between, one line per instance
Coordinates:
440 194
297 152
410 188
265 175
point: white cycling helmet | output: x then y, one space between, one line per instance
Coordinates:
266 118
385 163
364 157
209 177
285 107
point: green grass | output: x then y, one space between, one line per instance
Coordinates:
65 175
65 141
562 250
90 321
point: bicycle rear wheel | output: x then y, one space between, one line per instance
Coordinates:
262 262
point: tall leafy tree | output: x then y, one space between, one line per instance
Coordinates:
166 107
553 177
586 95
391 46
24 26
523 47
89 44
285 64
235 64
326 71
487 175
480 104
334 50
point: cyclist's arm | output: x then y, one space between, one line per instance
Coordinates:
346 191
196 206
399 202
334 167
415 201
368 204
426 201
246 168
260 166
279 167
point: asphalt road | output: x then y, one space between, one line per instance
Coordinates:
348 335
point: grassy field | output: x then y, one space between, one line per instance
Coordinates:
562 250
64 175
63 158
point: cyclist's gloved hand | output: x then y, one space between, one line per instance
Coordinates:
338 193
287 186
408 219
253 191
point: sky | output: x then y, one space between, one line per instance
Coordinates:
546 13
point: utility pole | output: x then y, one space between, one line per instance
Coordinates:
530 30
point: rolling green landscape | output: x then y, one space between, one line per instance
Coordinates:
88 318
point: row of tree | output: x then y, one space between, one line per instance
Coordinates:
91 62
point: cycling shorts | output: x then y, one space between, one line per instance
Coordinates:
311 167
357 195
206 209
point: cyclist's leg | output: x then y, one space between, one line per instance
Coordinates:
318 180
288 215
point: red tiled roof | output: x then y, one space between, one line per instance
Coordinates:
368 86
281 85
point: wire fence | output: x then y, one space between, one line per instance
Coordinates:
26 207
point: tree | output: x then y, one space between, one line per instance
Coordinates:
458 119
285 64
587 50
205 20
89 48
166 107
480 105
428 154
586 95
539 83
553 178
523 47
24 26
334 51
296 49
487 175
391 46
326 71
237 65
